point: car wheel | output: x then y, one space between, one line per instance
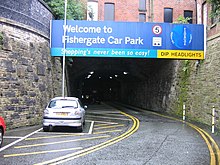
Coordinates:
45 128
80 129
1 137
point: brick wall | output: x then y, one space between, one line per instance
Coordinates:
128 10
178 8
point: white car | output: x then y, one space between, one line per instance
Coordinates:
64 111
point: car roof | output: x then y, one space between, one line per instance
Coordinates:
65 98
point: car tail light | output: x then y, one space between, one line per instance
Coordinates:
77 112
46 112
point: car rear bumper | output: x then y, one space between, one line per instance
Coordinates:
73 122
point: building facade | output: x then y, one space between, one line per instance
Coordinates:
154 11
202 90
143 10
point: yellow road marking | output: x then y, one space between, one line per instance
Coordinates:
215 145
49 137
113 118
97 121
105 112
106 115
60 133
97 125
202 133
42 152
66 141
212 154
118 130
72 156
111 126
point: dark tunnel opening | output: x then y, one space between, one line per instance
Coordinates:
144 83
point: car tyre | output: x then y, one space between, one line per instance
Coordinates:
80 128
46 129
1 137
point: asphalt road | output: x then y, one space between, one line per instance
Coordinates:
111 137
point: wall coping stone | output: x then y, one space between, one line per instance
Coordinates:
213 37
23 26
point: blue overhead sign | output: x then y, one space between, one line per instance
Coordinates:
127 39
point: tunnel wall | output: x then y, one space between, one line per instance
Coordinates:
29 76
194 83
155 92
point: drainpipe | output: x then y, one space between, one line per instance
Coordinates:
196 10
150 11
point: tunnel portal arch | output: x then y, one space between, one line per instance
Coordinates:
144 83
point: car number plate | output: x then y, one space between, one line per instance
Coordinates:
62 114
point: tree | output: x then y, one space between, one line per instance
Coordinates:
215 8
183 20
76 9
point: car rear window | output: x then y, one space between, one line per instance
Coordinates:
63 103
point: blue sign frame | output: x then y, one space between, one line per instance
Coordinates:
127 39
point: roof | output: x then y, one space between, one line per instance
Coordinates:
67 98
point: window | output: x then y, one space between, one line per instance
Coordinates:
168 15
92 11
142 5
109 12
188 13
142 17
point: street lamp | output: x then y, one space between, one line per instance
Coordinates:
64 54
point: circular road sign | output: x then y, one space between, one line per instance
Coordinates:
157 29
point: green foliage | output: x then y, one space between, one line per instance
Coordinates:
185 73
1 40
215 12
184 82
76 10
183 20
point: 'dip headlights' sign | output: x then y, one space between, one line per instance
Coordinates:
127 39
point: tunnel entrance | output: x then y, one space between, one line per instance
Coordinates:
141 82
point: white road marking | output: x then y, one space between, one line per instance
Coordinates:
42 152
17 141
91 127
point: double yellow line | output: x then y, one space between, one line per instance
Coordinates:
75 155
212 145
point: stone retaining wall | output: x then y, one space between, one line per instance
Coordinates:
34 13
204 83
29 76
